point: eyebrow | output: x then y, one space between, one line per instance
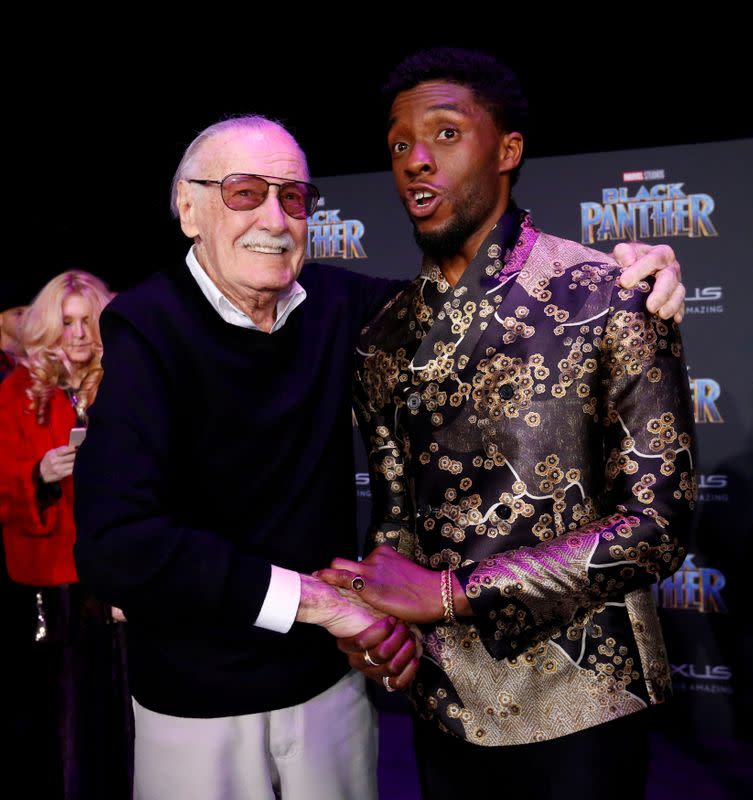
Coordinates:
437 107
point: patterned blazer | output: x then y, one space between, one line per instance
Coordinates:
531 427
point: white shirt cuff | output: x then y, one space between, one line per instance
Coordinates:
281 603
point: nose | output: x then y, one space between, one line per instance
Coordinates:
78 329
270 214
421 160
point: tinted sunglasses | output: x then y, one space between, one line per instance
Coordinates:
241 192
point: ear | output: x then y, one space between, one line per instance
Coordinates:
186 202
510 151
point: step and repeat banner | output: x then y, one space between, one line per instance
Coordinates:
697 198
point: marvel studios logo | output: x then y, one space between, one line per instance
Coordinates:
643 175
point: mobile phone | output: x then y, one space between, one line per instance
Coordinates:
77 437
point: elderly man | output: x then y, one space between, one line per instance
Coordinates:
217 474
530 434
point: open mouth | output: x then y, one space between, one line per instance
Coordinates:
422 202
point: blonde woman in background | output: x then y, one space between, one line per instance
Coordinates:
66 681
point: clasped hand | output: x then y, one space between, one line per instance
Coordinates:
394 586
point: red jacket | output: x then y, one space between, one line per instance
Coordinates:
38 544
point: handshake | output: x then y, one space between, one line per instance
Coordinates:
372 607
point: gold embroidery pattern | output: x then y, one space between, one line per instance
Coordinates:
631 343
546 539
648 637
500 700
380 375
494 373
528 573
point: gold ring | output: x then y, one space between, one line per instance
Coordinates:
358 584
369 659
386 682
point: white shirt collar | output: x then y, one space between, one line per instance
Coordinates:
288 300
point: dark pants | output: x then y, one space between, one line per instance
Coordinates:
66 710
608 761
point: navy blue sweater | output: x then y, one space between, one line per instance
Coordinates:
214 451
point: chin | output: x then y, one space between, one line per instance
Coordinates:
435 225
81 358
273 278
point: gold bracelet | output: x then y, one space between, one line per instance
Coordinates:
448 604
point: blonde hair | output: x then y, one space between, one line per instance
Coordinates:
42 333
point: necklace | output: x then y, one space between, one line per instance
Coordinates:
72 394
77 405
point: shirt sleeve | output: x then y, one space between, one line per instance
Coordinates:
281 603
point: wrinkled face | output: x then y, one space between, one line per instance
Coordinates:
78 335
257 250
447 159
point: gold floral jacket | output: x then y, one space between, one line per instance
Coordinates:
532 428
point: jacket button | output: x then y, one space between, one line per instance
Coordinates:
414 401
506 391
504 512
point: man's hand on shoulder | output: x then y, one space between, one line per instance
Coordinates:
638 261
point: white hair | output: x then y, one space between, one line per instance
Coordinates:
254 122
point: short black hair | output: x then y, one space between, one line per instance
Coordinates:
495 86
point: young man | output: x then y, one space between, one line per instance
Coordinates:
531 445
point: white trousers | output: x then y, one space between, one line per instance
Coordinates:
323 749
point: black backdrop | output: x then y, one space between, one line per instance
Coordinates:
98 109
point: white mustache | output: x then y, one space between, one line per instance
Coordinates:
254 240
